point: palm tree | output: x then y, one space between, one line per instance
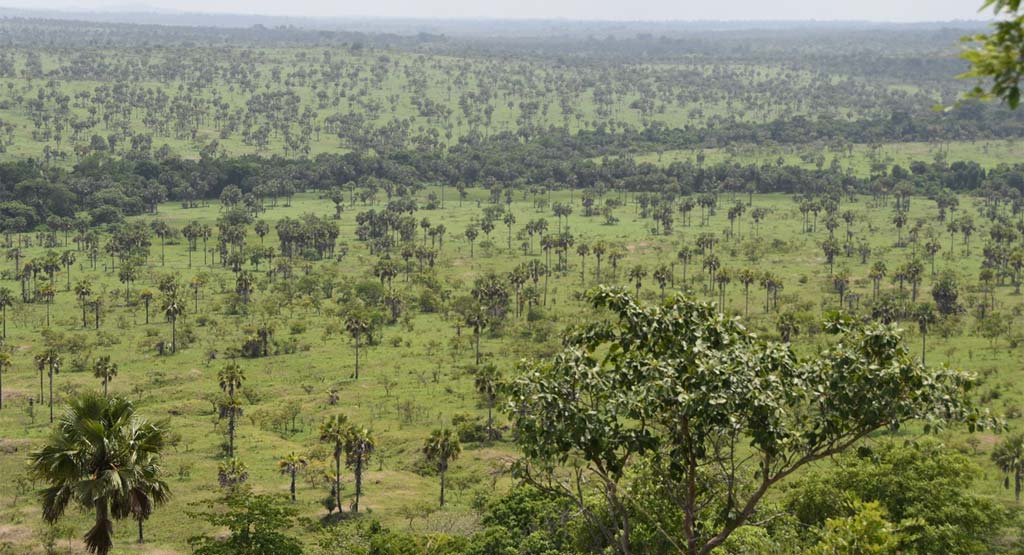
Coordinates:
232 474
924 314
67 259
637 275
173 307
146 296
230 379
440 448
104 370
6 301
50 362
83 290
334 431
487 380
103 458
5 363
1009 457
357 326
290 465
359 445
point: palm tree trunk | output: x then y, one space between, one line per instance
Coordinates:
442 489
924 339
141 540
357 357
359 482
293 484
1016 485
337 481
231 433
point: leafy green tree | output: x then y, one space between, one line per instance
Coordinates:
441 448
998 59
104 458
256 525
923 487
866 532
728 415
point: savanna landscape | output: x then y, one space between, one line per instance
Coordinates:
533 288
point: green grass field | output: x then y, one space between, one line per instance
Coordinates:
857 158
422 357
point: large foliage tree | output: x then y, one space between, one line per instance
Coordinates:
726 415
998 58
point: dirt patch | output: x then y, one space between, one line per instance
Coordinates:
16 534
14 395
10 446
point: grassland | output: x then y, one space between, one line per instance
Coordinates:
418 377
857 159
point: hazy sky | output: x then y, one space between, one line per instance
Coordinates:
877 10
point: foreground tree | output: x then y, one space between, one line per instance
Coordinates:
103 458
998 59
726 415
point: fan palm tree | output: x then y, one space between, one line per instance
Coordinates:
359 446
173 307
1009 457
104 458
232 474
83 290
358 326
5 363
146 296
49 362
104 370
441 448
230 379
486 383
290 465
6 301
334 431
67 259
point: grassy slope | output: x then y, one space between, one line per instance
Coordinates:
178 383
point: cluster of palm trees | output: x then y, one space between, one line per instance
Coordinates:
355 444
